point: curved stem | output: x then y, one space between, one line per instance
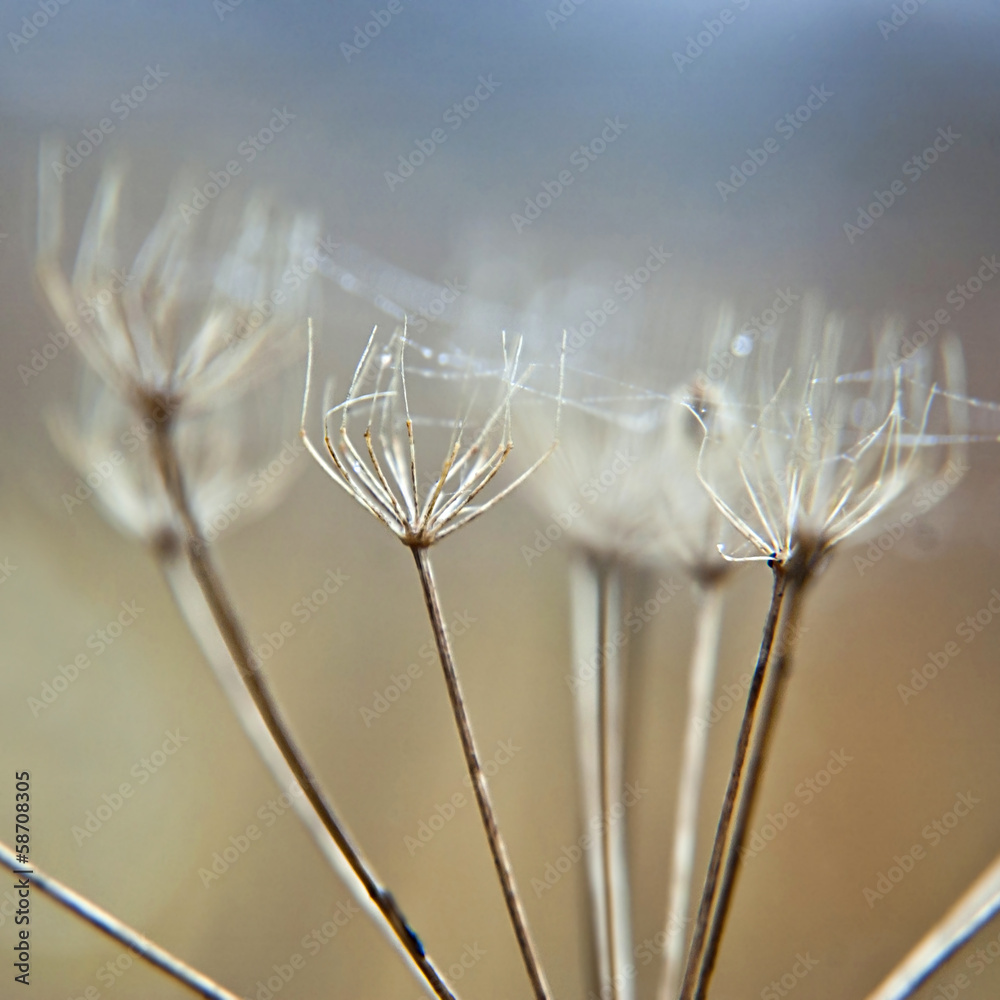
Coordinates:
701 680
275 740
114 928
696 954
501 859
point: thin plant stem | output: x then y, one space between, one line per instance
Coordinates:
774 689
696 952
114 928
977 906
596 597
701 680
277 740
610 755
501 858
583 609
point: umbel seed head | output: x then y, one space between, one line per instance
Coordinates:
371 451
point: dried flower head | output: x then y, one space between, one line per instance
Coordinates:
382 472
823 453
237 464
167 330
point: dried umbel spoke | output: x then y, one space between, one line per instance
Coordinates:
382 474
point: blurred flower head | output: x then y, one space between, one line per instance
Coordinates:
624 485
239 462
196 317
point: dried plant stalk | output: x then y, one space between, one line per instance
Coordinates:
274 740
498 848
103 921
701 680
979 904
600 703
740 790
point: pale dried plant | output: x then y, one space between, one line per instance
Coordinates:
600 490
825 454
625 491
791 460
185 328
382 475
180 355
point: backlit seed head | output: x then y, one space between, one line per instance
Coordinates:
370 440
